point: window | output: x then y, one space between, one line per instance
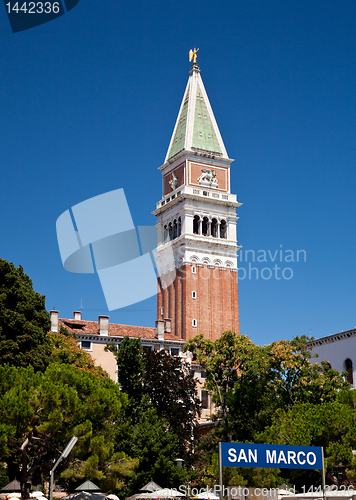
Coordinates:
203 375
174 229
214 228
147 348
194 323
85 344
348 368
165 234
194 295
223 229
204 400
194 270
196 224
179 227
205 226
174 351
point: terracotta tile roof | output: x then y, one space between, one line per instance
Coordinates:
92 328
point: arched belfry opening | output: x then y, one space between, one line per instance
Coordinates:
205 226
214 228
196 224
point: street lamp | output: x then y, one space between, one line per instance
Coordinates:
178 461
64 455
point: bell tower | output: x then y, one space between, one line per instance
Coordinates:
196 221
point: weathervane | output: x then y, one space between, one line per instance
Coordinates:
193 55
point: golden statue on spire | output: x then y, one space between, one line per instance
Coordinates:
193 55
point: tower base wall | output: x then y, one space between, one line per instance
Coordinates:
201 299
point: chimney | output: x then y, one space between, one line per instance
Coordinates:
54 321
77 315
167 325
103 325
160 329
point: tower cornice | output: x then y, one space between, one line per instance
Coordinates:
190 193
208 157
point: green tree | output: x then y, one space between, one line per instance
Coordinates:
131 368
169 384
65 350
250 383
223 361
4 476
275 376
24 321
150 440
40 412
331 425
106 467
172 389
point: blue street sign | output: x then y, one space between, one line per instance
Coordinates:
271 456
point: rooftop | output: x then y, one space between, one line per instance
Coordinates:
103 327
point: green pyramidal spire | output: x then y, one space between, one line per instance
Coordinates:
196 127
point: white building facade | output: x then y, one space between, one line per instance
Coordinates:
339 350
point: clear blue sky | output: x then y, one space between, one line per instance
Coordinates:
88 104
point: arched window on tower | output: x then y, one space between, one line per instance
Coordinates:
165 234
174 229
223 229
179 227
196 224
214 228
348 368
205 226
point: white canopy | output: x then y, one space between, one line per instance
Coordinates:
207 494
163 493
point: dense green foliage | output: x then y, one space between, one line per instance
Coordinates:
169 385
172 390
4 476
331 424
147 438
257 389
130 367
161 415
24 321
223 361
276 376
130 433
40 412
65 350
